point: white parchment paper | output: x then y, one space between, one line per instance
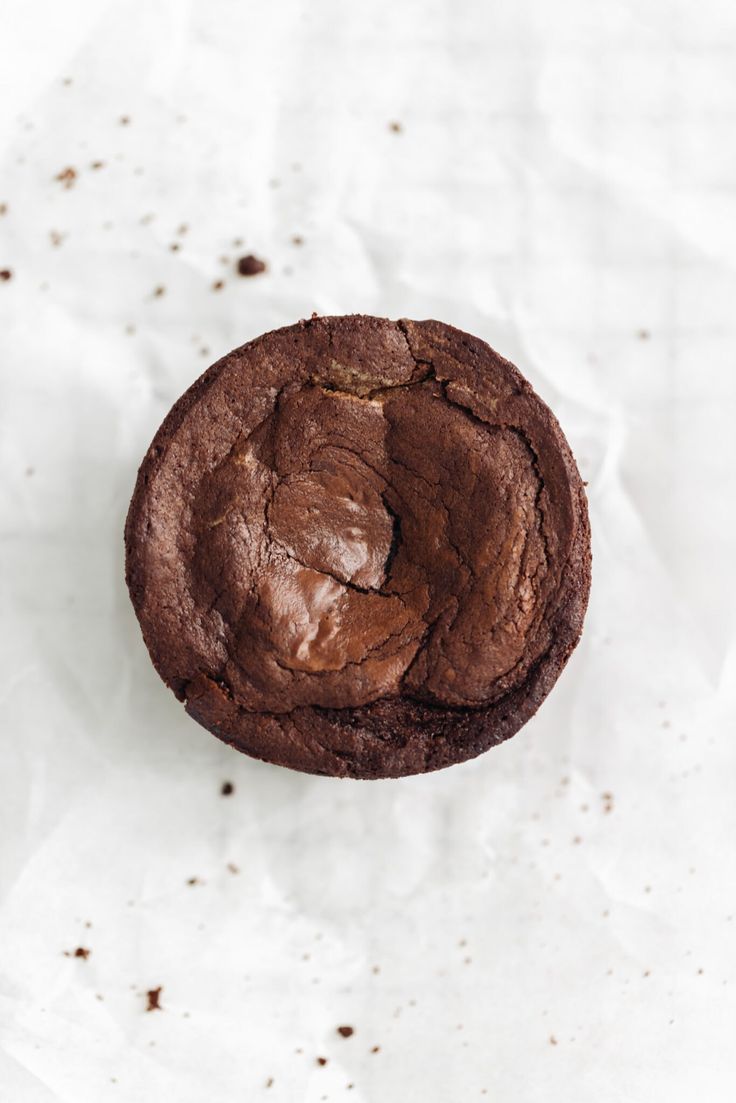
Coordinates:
554 921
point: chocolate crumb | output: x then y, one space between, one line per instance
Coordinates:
67 176
218 285
345 1031
5 274
194 881
376 1049
154 999
395 127
227 788
159 291
250 266
322 1061
175 247
81 951
97 165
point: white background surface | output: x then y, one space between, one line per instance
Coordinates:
564 186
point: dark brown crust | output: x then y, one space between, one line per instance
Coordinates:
398 735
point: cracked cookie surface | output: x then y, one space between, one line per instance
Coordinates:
360 547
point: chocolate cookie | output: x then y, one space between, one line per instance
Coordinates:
359 547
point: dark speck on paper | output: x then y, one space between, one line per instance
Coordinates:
250 266
153 996
227 788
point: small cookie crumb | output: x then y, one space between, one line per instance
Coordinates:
227 788
153 997
395 127
5 274
67 176
345 1031
322 1061
250 266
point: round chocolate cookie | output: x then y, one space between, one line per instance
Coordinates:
359 547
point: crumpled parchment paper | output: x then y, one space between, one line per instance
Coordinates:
554 921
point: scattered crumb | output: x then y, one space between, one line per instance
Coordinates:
552 1040
375 1049
159 291
124 120
5 274
577 840
175 247
376 970
395 127
647 973
146 219
250 266
80 951
647 888
66 81
204 351
237 242
345 1031
607 799
643 334
227 788
232 867
218 285
700 972
349 1086
183 229
154 999
130 329
3 209
194 881
322 1061
99 997
467 961
269 1082
97 165
67 176
297 239
56 238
